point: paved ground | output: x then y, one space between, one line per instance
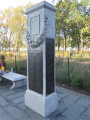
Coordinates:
72 105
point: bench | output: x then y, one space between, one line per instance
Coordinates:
17 79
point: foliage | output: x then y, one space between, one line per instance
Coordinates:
59 42
62 19
60 54
21 68
10 54
73 23
13 27
77 82
18 25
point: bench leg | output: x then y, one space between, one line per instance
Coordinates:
17 84
13 86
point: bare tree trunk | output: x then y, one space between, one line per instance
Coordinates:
17 49
58 46
81 42
78 47
10 40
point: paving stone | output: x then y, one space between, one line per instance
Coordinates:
16 95
62 95
79 94
28 117
62 118
14 111
57 115
21 89
18 100
5 116
74 112
68 101
73 105
59 88
3 101
7 93
83 117
62 107
21 93
84 101
34 116
87 113
31 112
22 106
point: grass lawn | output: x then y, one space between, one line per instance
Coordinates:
78 74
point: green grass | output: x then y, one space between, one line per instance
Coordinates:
79 70
21 65
79 73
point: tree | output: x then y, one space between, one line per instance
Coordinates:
80 21
8 16
62 18
5 30
13 27
73 21
18 26
59 41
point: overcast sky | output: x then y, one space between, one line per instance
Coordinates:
6 3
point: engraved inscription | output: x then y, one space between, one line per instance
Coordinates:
49 66
35 25
35 71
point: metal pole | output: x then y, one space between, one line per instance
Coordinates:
68 72
15 64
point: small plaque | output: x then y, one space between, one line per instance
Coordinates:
35 25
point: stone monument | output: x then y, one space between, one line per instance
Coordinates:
40 94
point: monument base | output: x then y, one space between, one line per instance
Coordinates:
40 104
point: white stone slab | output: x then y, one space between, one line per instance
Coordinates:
40 104
13 76
17 79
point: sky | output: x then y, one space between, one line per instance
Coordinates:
6 3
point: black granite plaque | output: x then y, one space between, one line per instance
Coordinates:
35 71
49 66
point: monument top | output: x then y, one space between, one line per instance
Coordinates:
41 5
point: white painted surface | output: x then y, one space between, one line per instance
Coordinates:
40 104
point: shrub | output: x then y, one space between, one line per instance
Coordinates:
77 82
88 86
79 73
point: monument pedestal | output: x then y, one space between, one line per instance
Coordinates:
40 95
40 104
